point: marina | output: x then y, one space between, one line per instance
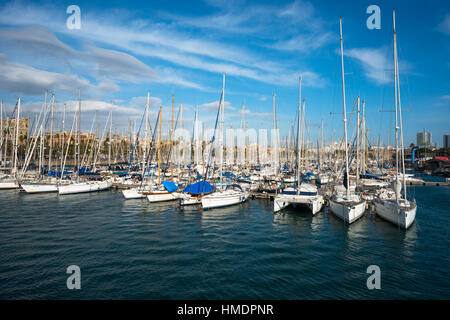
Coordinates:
221 172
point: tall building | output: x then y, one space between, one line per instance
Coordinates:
424 139
446 142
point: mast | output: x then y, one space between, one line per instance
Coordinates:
181 142
396 110
41 132
396 72
298 132
16 143
159 147
110 138
303 145
78 135
322 145
363 139
221 131
357 145
275 150
171 140
243 131
51 134
1 131
344 109
147 106
63 136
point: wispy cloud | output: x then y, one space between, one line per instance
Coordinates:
169 43
23 79
214 106
373 61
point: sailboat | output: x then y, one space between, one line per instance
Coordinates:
137 192
399 210
346 206
10 182
81 187
166 189
233 194
305 194
50 184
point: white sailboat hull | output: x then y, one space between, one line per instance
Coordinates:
39 188
84 187
189 201
314 203
162 196
9 185
223 199
349 212
133 194
399 215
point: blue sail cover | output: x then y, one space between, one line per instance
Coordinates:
170 186
199 188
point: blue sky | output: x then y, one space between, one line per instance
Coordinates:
125 48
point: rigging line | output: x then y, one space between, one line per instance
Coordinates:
212 142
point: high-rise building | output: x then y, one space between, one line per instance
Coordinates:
424 139
446 142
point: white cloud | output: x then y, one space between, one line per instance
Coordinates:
304 43
214 106
164 42
23 79
373 61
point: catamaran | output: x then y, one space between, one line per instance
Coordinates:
399 211
304 194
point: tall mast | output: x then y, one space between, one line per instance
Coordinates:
344 109
51 134
78 134
63 136
159 147
363 139
147 106
396 109
398 105
16 143
221 131
275 142
181 142
1 131
298 132
171 140
110 136
321 146
357 144
41 132
243 130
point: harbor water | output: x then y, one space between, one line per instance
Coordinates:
132 249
